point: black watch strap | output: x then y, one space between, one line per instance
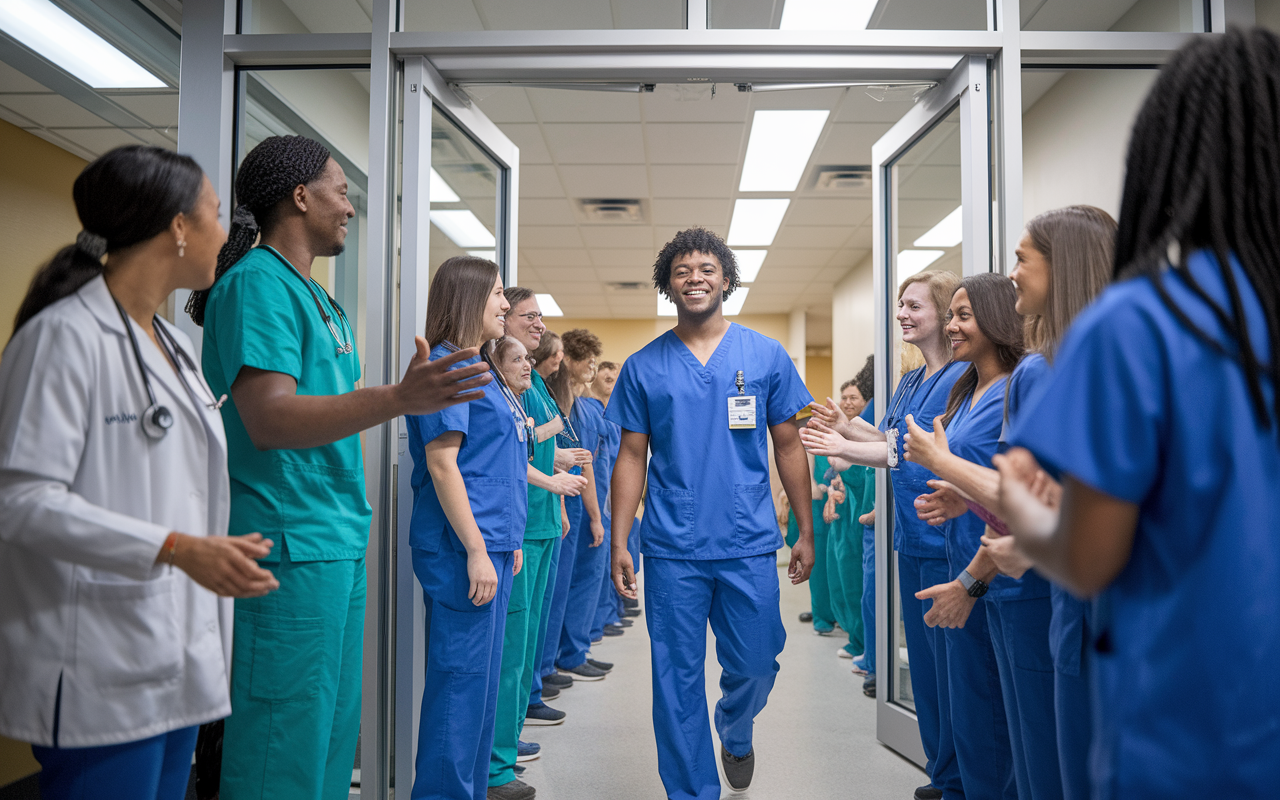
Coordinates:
975 587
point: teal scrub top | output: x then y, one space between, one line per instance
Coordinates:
544 507
260 314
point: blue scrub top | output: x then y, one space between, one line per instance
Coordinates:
604 457
586 422
1141 408
923 398
708 495
493 462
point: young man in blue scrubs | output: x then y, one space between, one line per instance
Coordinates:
701 398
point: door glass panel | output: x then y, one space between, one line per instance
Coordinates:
1112 15
306 16
905 15
466 190
540 15
925 233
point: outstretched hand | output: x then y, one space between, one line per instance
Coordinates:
831 416
430 386
944 504
820 439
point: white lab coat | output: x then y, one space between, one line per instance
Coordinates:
86 502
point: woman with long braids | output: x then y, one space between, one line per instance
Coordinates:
1162 420
281 347
112 473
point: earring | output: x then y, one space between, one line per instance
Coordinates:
182 247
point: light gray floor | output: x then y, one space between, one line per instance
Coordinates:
815 739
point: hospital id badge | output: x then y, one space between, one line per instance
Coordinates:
742 412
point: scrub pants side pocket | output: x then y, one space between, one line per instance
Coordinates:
751 502
285 656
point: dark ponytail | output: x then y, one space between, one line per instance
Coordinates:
125 197
268 175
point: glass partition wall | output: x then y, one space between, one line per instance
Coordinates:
379 81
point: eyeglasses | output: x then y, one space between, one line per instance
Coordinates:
531 317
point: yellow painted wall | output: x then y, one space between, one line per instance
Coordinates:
37 218
817 377
622 337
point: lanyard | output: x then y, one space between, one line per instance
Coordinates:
340 333
524 424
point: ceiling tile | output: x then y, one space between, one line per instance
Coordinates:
849 257
622 180
161 110
665 233
694 143
793 257
693 180
689 213
793 276
157 138
617 235
556 211
815 211
98 140
583 279
51 111
813 237
554 257
14 80
503 104
637 257
804 98
858 106
528 137
849 143
595 143
13 117
568 105
695 103
554 236
539 180
625 274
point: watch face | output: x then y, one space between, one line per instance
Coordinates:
978 589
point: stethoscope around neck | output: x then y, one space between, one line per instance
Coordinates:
339 335
157 419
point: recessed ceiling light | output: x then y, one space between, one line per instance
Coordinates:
779 148
666 308
756 221
62 39
749 263
948 233
733 306
549 306
442 192
912 261
463 227
828 15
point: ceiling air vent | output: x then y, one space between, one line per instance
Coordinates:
630 286
840 179
612 210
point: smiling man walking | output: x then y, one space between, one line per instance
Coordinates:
701 397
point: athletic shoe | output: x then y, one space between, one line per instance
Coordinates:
928 792
518 769
628 602
613 630
869 687
631 612
843 653
738 771
805 616
550 692
823 630
597 640
527 751
603 666
543 714
624 623
557 680
583 672
516 790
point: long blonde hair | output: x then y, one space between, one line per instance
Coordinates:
1079 244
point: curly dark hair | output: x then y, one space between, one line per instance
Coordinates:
581 344
865 380
694 240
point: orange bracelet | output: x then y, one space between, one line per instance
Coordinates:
171 546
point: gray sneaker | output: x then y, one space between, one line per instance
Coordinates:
516 790
583 672
738 771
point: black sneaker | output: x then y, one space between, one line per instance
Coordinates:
806 617
543 714
583 672
613 630
631 612
738 771
518 769
550 692
628 602
516 790
557 680
928 792
597 640
869 686
603 666
624 623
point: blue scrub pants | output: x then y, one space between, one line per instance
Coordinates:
589 566
1073 704
1020 640
927 653
464 661
977 711
739 597
544 621
156 768
869 599
560 591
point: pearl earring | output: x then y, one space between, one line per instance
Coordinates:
182 248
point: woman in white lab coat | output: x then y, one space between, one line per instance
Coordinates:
112 473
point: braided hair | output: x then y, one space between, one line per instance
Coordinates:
268 175
1203 171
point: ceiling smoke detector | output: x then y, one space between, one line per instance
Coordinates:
612 210
841 178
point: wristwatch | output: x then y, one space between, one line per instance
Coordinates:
972 585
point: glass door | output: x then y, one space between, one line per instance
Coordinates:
931 209
458 186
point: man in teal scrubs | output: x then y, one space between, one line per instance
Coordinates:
283 350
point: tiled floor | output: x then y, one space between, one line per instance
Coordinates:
815 739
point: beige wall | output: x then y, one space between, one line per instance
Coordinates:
37 218
853 317
818 377
622 337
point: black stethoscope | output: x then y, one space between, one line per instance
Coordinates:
157 419
339 333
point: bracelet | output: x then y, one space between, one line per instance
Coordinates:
171 547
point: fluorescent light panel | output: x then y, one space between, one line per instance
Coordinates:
548 305
755 221
749 263
59 37
912 261
492 255
464 228
733 306
779 148
666 308
831 15
948 233
442 192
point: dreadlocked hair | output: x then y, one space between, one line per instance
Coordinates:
695 240
1203 172
268 175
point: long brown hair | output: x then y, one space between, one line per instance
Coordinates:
456 301
994 300
1079 244
579 344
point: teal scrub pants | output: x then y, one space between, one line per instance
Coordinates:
295 685
521 656
844 576
819 584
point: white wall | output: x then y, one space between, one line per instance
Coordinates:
852 322
1075 138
